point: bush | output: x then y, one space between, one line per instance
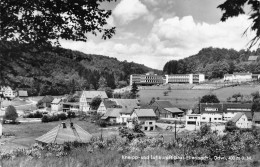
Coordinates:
62 116
71 114
45 118
34 115
10 113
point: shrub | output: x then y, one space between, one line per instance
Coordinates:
71 114
62 116
45 118
10 113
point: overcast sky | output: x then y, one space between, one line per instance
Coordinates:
152 32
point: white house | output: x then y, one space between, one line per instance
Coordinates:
104 105
241 121
238 77
56 105
8 92
87 96
211 112
193 121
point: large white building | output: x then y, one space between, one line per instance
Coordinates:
7 91
153 79
238 77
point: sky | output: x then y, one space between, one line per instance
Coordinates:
153 32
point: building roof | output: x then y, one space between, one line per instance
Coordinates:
22 93
211 107
128 104
256 116
252 58
237 107
237 117
112 113
61 134
92 94
56 101
47 99
163 103
109 103
145 112
237 73
174 110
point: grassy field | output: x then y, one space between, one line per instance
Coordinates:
188 98
25 133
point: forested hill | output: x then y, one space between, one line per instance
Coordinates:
215 62
56 71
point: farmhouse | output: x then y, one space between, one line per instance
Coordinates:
56 105
164 109
8 92
65 133
104 105
145 116
241 121
112 115
87 96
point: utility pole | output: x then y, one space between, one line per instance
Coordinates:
175 130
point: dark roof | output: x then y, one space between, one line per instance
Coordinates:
47 99
211 107
112 113
237 73
128 104
56 101
174 110
23 93
109 103
249 115
256 116
237 117
60 135
237 107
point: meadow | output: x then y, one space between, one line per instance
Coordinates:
189 97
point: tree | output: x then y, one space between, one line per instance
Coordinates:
237 96
102 83
165 93
40 22
211 98
39 104
10 113
95 103
109 92
134 90
233 8
152 101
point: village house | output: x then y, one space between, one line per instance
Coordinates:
87 96
23 94
256 119
193 121
241 121
8 92
63 133
113 115
164 109
231 109
146 117
56 105
211 112
46 101
71 107
104 105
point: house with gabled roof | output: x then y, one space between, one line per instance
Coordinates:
104 105
56 104
164 109
87 96
46 101
23 93
113 115
241 120
146 117
63 133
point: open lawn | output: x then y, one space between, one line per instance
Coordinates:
25 133
188 98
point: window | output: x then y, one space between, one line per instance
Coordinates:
219 118
190 117
191 122
150 123
215 118
145 128
203 117
151 128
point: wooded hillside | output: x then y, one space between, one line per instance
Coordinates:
215 62
56 71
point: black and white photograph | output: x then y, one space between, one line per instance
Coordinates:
129 83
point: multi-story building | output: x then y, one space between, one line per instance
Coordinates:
238 77
146 79
185 78
153 79
7 91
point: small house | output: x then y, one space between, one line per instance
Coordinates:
112 115
23 94
146 117
193 121
63 133
56 105
164 109
104 105
87 96
241 121
46 101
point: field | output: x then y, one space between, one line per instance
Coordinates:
189 97
25 133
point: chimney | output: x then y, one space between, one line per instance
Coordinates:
64 124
